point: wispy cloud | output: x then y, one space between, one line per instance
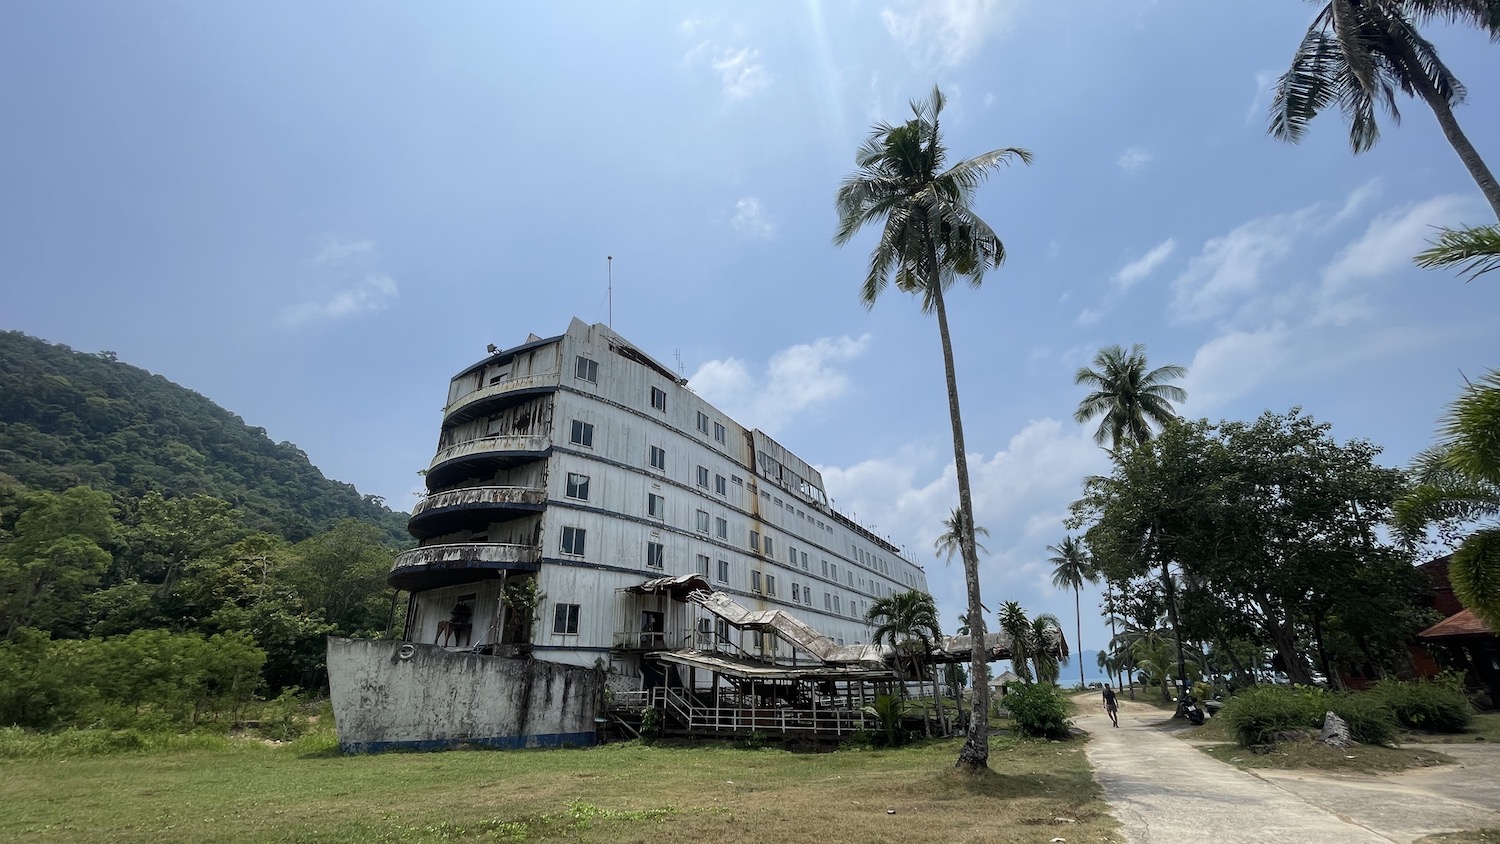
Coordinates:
795 379
1264 79
1144 265
370 293
352 284
741 74
943 33
1134 159
751 220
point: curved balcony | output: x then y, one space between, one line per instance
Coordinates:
445 512
488 399
472 458
434 566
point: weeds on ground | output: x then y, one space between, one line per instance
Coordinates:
1364 758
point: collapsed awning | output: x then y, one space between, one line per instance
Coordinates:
745 669
679 587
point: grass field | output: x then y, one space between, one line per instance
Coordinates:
250 791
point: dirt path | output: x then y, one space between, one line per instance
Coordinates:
1165 790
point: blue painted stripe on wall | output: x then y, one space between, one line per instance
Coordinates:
494 742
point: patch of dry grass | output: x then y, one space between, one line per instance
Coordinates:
1035 791
1486 727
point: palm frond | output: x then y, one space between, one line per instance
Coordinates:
1472 251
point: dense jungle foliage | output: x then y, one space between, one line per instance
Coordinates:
160 562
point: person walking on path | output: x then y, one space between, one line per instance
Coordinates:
1111 705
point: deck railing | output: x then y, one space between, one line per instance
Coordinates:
525 382
470 496
775 719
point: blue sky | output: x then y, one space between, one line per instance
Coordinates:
316 213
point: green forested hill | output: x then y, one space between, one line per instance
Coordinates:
69 418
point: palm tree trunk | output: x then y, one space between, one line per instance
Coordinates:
1113 634
975 755
1456 137
1078 643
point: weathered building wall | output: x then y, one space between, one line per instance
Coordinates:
388 695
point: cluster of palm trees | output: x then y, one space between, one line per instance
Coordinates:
1355 55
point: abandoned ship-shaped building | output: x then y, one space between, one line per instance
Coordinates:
594 529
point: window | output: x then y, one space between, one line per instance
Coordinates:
797 593
586 370
583 434
836 607
804 561
736 480
658 399
771 585
565 620
703 564
721 528
573 540
769 552
833 573
850 575
807 595
703 421
723 571
703 476
792 551
578 486
754 581
656 506
658 458
827 600
719 486
656 554
754 540
719 433
825 568
777 502
703 521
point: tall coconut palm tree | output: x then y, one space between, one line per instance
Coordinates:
1047 647
929 236
1357 54
908 622
1071 569
1017 628
951 540
1458 484
1129 397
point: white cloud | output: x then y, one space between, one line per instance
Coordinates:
796 379
370 293
1234 363
740 71
1089 316
751 220
1145 265
1386 246
337 250
947 32
1264 79
1134 159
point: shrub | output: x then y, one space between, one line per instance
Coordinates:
1038 709
651 724
1439 705
1258 714
1369 719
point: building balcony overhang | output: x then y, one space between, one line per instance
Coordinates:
445 512
435 566
488 399
466 458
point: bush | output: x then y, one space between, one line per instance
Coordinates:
1439 705
1038 709
651 724
1260 714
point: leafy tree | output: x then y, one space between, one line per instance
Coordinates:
342 574
1457 485
929 236
1017 628
1070 570
1358 53
908 622
53 558
1132 398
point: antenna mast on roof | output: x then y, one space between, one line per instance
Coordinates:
609 270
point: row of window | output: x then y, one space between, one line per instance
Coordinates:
587 369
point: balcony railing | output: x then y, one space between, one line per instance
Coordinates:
633 640
466 555
535 381
485 446
479 496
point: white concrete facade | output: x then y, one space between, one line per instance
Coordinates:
581 463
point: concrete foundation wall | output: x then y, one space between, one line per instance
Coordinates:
390 695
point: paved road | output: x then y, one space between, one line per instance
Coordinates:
1165 791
